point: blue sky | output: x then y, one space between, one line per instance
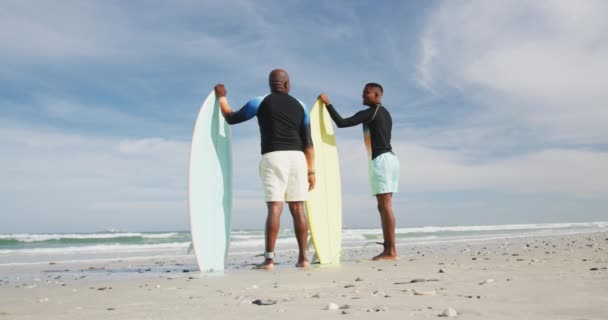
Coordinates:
499 108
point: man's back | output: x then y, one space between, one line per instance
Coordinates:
284 123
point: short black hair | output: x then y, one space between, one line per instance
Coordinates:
375 85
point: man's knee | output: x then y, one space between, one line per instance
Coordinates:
296 207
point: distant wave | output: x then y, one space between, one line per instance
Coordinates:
83 236
98 248
503 227
243 239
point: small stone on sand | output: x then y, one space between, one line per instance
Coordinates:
263 302
449 312
331 306
422 280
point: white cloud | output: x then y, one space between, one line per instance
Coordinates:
146 146
578 173
543 63
50 176
560 171
96 182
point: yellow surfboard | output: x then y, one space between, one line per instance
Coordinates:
324 205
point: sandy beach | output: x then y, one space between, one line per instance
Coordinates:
556 277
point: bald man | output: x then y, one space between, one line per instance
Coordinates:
287 165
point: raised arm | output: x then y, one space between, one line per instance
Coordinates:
357 118
247 112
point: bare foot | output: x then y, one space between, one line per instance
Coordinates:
303 264
385 256
268 264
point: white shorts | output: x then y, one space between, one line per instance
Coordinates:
284 176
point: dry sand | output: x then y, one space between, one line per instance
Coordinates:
560 277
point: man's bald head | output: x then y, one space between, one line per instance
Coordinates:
278 80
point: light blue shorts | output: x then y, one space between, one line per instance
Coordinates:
384 174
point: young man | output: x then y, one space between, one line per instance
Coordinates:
384 165
287 165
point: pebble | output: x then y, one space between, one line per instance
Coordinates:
332 306
379 309
425 293
423 280
449 312
263 302
376 293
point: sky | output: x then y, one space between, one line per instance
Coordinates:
499 107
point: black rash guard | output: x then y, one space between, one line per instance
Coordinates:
284 121
377 126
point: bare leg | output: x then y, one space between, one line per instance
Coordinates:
300 226
273 223
385 207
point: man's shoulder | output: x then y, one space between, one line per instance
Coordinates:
286 97
282 95
256 101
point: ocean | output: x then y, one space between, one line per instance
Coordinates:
31 249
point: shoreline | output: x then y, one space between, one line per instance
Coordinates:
542 277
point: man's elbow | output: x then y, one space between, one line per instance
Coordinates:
231 120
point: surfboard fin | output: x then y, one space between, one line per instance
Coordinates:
190 248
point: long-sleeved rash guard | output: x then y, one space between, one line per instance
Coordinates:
284 121
377 126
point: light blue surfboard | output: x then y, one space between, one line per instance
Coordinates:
210 187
